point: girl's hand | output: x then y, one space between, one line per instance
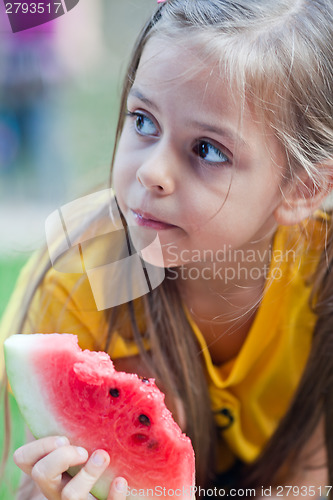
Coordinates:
46 461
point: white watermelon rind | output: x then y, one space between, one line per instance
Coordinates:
16 359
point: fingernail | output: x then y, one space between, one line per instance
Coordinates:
82 452
120 484
17 455
62 441
98 459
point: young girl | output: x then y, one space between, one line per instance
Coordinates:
225 150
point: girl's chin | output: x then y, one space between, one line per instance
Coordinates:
153 248
149 248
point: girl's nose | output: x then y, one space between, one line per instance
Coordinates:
157 173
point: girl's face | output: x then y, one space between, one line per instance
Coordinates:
185 169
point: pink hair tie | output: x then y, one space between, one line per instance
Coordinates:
161 1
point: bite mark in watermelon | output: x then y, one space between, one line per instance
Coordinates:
62 390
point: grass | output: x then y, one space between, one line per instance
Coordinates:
10 480
10 267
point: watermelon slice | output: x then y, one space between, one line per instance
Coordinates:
62 390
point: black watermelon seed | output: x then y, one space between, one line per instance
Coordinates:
143 419
153 445
141 438
114 393
144 380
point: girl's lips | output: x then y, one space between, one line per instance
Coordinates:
147 220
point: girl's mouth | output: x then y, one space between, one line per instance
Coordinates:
145 219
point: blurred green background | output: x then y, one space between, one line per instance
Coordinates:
59 95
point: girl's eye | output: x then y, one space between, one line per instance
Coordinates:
210 153
143 125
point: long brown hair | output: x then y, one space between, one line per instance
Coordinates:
278 53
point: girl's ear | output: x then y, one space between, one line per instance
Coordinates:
303 197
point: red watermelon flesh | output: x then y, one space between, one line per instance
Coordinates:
62 390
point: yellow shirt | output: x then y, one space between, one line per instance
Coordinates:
250 393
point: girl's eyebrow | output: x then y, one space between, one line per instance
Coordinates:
224 132
136 93
234 137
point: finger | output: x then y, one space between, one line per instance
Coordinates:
118 490
84 480
26 456
48 472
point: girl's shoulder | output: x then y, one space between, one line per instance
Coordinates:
53 299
